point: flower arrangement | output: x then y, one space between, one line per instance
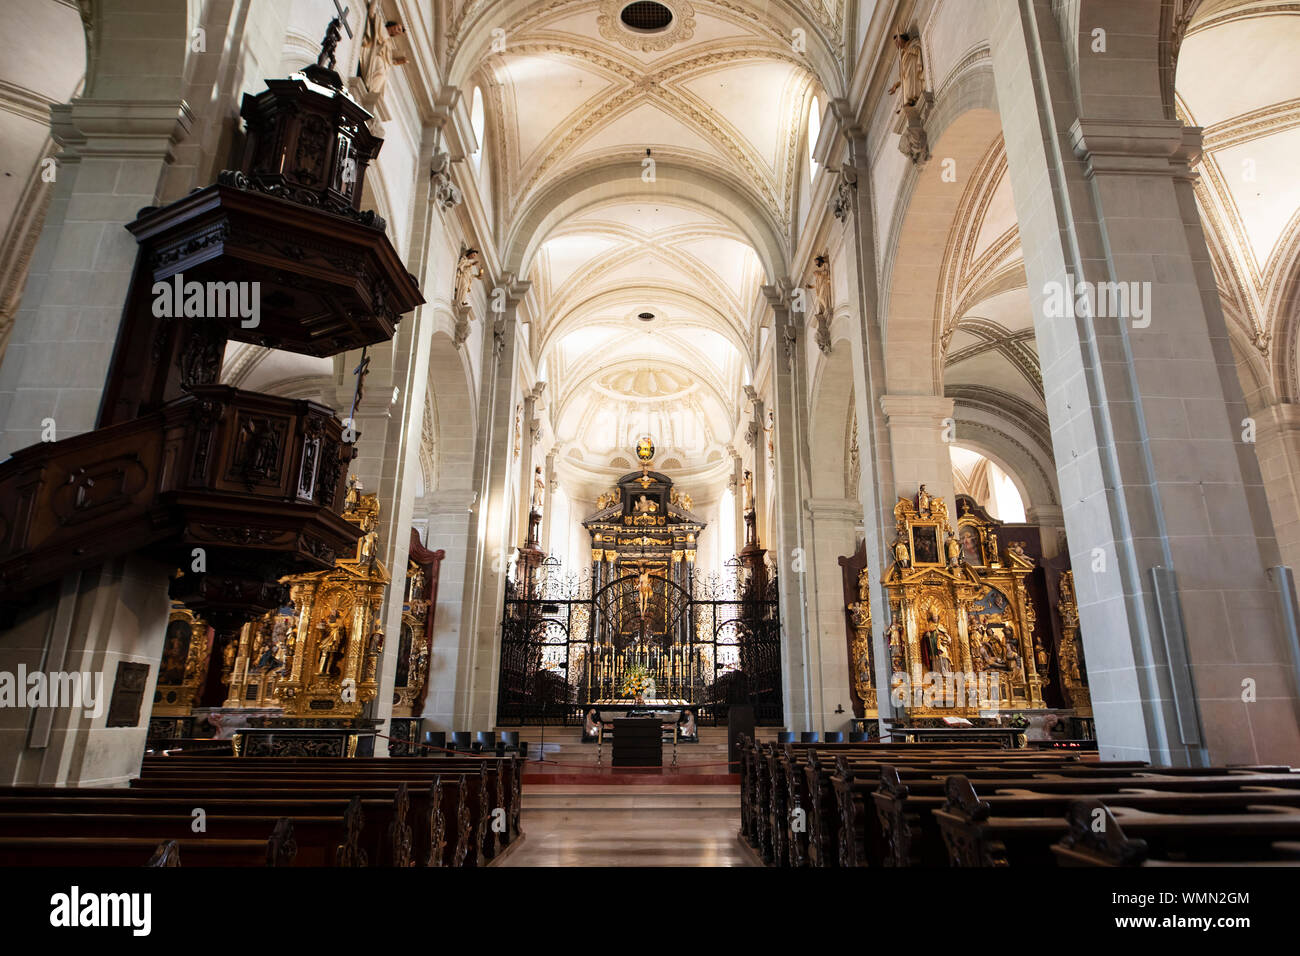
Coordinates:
636 681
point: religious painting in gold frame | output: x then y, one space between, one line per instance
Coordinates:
972 543
926 548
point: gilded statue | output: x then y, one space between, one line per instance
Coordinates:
864 584
923 502
901 555
953 547
993 548
896 645
935 646
331 647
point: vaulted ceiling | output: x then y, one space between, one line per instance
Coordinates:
1248 190
572 91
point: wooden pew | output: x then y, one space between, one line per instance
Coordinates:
113 851
904 801
1203 829
1086 844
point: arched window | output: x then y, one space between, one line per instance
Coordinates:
814 130
476 122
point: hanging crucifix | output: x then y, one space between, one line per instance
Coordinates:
332 36
361 371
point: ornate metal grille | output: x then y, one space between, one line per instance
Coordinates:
563 647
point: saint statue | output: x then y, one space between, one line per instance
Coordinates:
923 502
895 633
749 490
911 70
1015 665
644 592
539 490
935 644
377 48
467 270
864 584
333 635
901 556
993 549
645 506
821 288
953 547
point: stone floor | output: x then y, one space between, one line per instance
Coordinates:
634 826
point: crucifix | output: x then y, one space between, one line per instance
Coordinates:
326 58
361 371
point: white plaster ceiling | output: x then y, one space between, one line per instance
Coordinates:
1238 78
720 92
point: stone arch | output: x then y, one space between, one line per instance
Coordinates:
1012 434
1143 32
919 236
138 53
704 190
832 411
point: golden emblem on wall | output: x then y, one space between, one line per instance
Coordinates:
645 449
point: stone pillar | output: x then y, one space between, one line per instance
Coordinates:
790 542
527 463
548 517
114 154
1161 505
1277 445
737 485
490 547
834 524
917 426
92 621
759 471
1051 527
853 207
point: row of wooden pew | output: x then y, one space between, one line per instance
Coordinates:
273 811
864 804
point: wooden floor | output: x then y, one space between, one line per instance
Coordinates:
631 826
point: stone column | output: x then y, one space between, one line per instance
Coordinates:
1277 446
790 543
94 620
853 208
1051 527
490 547
526 458
114 154
548 516
834 524
917 426
1162 507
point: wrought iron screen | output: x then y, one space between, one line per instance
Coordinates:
564 648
